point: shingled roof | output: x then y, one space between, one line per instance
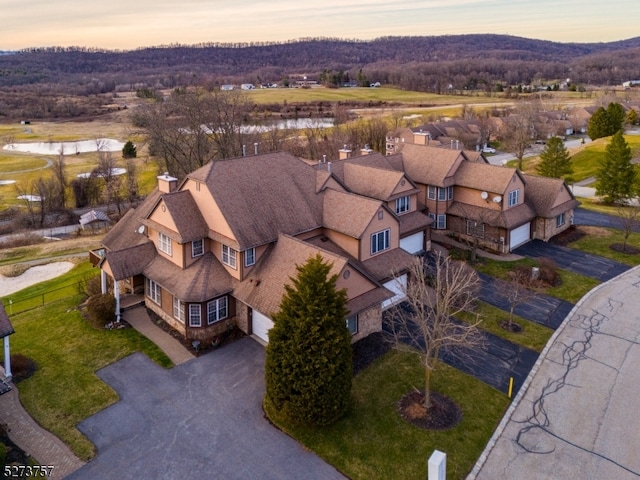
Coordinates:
125 233
264 286
510 218
543 193
263 195
130 261
6 328
186 216
348 213
430 165
203 280
485 177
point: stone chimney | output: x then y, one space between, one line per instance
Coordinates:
344 153
167 183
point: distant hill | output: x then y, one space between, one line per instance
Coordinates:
422 63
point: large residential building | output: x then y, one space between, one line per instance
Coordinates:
217 249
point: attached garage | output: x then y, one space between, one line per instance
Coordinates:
397 286
413 243
520 235
260 325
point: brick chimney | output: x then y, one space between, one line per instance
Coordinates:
167 183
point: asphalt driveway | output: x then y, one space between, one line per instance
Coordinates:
201 419
543 309
582 216
576 261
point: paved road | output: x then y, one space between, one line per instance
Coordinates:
201 419
587 217
576 261
577 416
540 308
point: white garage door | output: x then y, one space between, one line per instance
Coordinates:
261 324
397 286
520 235
413 243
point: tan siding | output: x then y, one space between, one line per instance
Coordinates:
209 209
161 215
471 196
356 284
347 243
388 221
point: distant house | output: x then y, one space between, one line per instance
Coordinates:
247 86
226 87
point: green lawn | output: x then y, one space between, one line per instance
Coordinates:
532 335
68 351
374 442
600 240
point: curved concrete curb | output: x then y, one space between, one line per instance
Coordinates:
523 390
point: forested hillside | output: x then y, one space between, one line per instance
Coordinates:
419 63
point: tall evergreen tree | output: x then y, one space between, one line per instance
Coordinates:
599 124
616 178
616 117
309 367
556 161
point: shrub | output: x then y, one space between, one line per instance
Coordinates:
101 309
91 286
548 271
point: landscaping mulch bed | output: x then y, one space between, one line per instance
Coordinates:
513 327
13 455
223 339
570 235
443 414
368 350
621 248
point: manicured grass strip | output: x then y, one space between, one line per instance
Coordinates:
373 442
598 241
532 335
65 390
572 288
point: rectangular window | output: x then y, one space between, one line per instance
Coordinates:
380 241
514 197
229 256
402 205
217 310
475 229
249 257
560 220
153 291
440 221
197 248
450 193
432 192
442 194
178 309
164 244
352 324
194 315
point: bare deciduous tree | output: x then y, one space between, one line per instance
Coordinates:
424 324
629 220
519 130
516 291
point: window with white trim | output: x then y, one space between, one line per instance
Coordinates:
153 291
432 192
229 256
178 309
352 324
195 319
560 219
402 205
249 257
440 221
380 241
197 248
164 243
514 197
217 310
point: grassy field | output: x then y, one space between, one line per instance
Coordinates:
597 240
373 442
65 389
586 158
12 258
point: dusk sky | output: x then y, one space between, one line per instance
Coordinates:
119 24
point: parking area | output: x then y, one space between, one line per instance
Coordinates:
576 261
201 419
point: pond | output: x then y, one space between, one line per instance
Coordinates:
66 148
